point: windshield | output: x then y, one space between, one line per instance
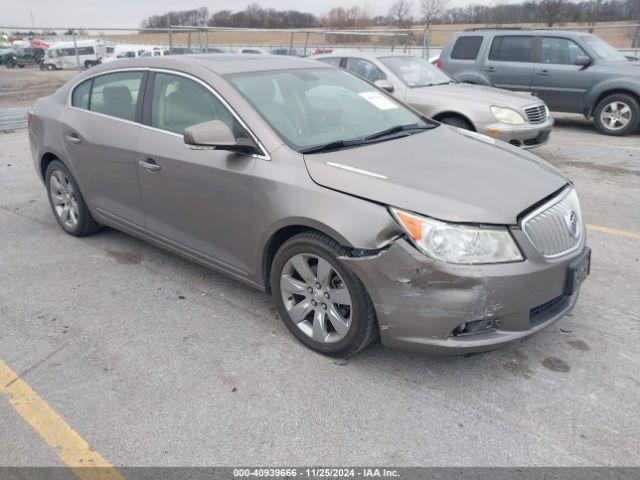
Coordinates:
604 50
314 107
416 72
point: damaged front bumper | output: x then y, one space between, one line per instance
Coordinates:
434 307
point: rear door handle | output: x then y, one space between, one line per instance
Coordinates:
544 73
490 69
149 165
72 137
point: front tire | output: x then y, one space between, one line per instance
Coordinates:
321 301
67 203
617 114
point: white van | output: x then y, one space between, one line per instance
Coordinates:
63 54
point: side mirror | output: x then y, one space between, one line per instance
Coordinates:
216 135
583 61
384 84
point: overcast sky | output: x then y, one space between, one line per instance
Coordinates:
129 13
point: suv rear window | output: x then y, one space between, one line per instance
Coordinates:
512 48
466 48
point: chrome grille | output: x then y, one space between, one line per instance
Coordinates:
556 227
536 114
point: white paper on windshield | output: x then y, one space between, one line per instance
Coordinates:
379 100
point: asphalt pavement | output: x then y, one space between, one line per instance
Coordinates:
156 361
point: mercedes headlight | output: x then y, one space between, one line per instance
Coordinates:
457 243
507 115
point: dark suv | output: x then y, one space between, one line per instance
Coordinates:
22 57
571 71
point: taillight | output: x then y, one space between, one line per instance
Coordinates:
439 63
29 117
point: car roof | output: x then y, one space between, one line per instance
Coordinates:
522 31
361 54
220 63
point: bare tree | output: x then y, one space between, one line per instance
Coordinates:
400 13
341 18
551 10
632 8
499 13
591 10
431 9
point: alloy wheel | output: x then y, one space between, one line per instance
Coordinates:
316 298
63 198
616 115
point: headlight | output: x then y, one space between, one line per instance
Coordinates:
455 243
507 115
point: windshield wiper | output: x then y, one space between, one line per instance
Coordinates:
332 146
397 129
354 142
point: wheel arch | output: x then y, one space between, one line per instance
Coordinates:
452 113
611 91
45 160
51 155
284 232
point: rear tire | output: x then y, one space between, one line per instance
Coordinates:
67 203
617 114
313 313
456 121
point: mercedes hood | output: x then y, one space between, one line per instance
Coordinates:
445 173
476 94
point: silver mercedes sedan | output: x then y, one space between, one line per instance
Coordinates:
517 118
361 217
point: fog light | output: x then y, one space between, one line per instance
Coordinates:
476 326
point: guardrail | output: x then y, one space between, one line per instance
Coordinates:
13 118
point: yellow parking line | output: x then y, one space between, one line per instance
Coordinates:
614 231
73 450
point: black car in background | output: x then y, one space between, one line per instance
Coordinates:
181 51
23 56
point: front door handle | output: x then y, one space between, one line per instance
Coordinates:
544 73
72 137
149 165
490 69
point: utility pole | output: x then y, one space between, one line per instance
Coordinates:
33 22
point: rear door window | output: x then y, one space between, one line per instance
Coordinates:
512 48
466 48
365 69
116 94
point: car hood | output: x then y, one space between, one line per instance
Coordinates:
445 173
477 94
620 68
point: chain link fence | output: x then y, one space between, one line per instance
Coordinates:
76 43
